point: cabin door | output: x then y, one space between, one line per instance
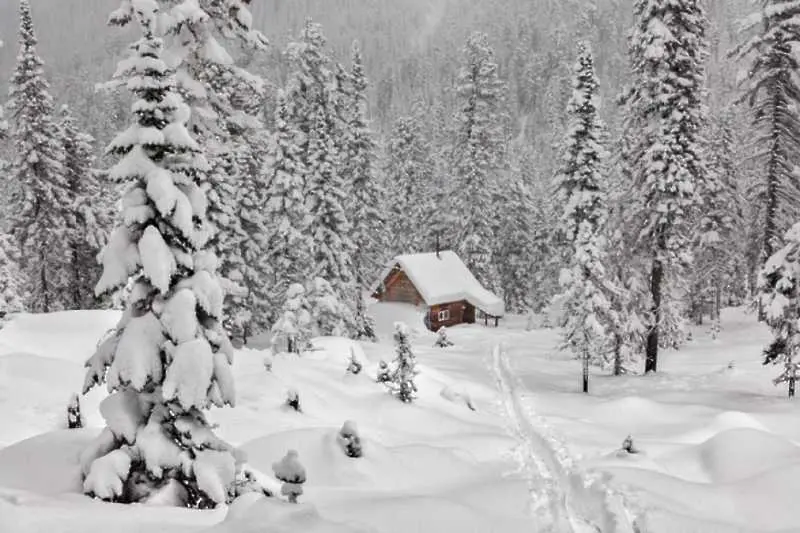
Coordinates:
469 313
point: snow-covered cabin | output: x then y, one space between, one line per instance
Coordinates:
442 283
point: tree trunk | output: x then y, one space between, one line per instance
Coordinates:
586 372
617 355
656 279
791 387
717 302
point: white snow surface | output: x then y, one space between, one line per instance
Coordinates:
719 446
443 278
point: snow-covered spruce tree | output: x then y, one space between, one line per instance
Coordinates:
404 372
478 156
290 247
364 324
292 331
581 190
515 244
779 284
314 113
207 76
664 117
772 90
91 212
75 418
40 209
329 315
409 174
292 473
11 279
169 357
367 198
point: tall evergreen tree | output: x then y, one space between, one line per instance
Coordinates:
207 77
367 199
664 118
409 175
314 115
779 284
772 90
169 358
582 190
40 205
91 213
478 156
290 247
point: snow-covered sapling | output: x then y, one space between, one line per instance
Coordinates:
293 399
292 473
383 373
268 361
365 325
74 416
627 445
349 440
441 338
404 371
354 366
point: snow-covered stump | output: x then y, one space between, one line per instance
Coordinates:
441 338
349 439
291 472
293 400
74 416
354 366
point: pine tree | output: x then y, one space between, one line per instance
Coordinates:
780 297
91 214
290 248
292 331
664 118
367 200
581 189
329 225
169 358
209 81
40 207
405 366
772 91
515 244
478 157
314 117
11 279
330 316
410 196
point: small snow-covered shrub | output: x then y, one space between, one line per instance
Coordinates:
293 400
292 473
268 361
365 325
441 338
405 366
349 440
383 373
354 366
628 446
457 397
74 417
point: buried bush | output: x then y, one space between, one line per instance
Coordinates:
293 400
292 473
349 440
74 416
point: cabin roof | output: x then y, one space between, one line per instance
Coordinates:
444 279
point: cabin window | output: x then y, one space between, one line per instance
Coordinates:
444 314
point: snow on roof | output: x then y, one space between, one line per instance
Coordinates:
443 279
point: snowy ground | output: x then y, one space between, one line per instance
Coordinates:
719 445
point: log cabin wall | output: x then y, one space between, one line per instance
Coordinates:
400 289
455 313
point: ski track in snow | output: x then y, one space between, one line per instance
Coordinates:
563 499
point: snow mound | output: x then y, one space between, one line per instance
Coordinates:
733 455
321 455
720 423
47 464
268 515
